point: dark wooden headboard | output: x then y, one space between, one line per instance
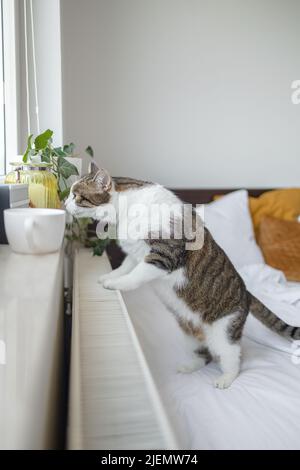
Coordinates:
203 196
191 196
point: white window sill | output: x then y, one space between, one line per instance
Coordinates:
31 340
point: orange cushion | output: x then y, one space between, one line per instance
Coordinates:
280 203
279 241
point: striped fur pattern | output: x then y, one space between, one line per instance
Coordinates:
124 184
200 287
93 189
214 288
269 319
89 191
168 255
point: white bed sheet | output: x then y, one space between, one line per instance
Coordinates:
261 410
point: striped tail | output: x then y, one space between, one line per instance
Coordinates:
269 319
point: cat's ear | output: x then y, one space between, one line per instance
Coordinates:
93 169
103 179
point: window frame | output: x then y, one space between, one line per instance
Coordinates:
2 104
10 81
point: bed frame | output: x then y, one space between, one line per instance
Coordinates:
203 196
191 196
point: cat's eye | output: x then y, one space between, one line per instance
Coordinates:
84 199
87 200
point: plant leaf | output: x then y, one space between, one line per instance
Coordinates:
69 149
42 140
46 155
59 152
64 194
66 169
99 246
90 151
29 146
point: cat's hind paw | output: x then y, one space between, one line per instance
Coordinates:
224 381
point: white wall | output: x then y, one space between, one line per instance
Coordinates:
48 61
189 93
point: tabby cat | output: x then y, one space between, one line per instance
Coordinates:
201 287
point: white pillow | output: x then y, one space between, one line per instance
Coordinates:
229 221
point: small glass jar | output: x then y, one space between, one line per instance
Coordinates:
43 191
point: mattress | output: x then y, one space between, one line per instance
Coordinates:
261 410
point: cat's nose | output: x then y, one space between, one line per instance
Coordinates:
78 199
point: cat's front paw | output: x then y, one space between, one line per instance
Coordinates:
110 284
119 284
103 278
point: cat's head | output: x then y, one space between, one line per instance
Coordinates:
93 189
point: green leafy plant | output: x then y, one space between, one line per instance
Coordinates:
81 232
42 147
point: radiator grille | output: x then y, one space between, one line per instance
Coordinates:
113 400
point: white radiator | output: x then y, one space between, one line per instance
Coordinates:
113 403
